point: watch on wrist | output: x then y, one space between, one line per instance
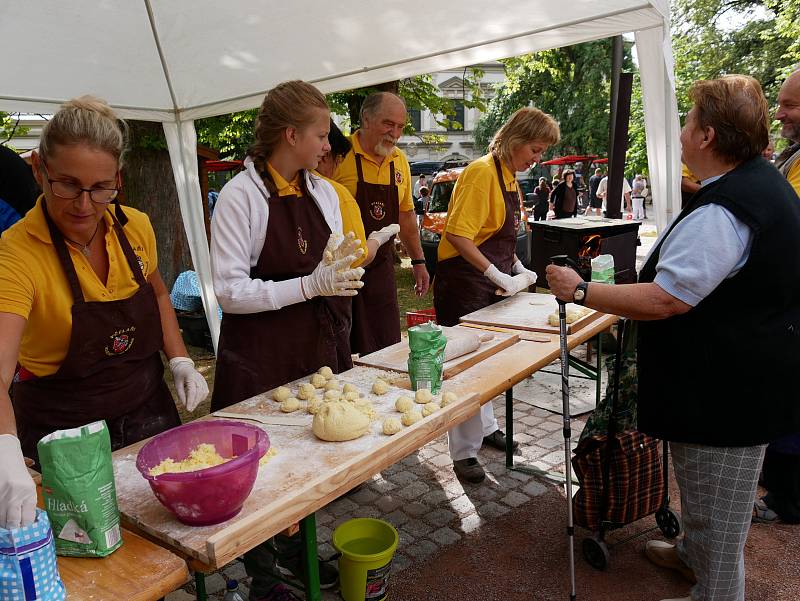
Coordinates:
579 296
418 261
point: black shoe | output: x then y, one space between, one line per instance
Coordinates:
292 568
280 593
498 440
469 470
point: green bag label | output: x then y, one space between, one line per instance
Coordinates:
426 344
79 492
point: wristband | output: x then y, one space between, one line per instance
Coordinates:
418 261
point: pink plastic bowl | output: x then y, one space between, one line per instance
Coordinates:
214 494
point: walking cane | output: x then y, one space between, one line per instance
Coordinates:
565 261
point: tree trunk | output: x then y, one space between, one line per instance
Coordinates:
149 186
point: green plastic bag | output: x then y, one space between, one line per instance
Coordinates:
426 344
79 492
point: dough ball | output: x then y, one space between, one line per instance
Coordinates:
281 393
318 381
552 319
403 404
351 396
290 404
573 316
411 417
423 396
391 425
447 398
332 385
306 391
349 388
326 372
429 408
332 395
338 421
380 387
314 405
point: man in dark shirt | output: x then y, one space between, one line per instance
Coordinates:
594 202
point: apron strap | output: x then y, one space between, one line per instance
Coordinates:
64 258
358 168
392 183
500 175
133 261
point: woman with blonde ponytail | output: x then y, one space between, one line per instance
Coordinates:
83 309
284 278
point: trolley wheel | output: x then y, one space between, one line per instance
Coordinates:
595 552
669 522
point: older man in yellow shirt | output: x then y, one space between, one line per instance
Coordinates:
378 175
788 163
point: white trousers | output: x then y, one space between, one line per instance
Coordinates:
638 207
466 438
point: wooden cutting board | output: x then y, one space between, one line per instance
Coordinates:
527 311
395 357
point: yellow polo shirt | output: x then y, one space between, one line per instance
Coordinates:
687 173
351 216
33 284
477 209
794 177
285 188
347 173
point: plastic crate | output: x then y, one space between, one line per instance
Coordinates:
414 318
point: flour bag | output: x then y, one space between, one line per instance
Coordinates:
78 489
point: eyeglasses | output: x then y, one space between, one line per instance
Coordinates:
69 191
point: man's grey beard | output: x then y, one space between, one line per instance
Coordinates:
381 150
792 133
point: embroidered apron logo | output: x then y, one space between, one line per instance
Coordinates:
516 220
302 243
121 341
377 210
141 263
398 177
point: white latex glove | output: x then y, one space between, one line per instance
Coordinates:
498 278
518 268
17 490
190 385
518 283
383 235
339 247
334 279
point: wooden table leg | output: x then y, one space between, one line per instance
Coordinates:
308 532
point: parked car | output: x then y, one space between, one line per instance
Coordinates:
432 226
426 167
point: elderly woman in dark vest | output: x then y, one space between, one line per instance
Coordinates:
726 270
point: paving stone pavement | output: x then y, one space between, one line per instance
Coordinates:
422 498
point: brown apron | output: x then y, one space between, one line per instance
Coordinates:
376 322
459 287
112 370
259 351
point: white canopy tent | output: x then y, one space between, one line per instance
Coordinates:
175 61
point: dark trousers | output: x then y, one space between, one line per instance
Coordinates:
781 477
260 563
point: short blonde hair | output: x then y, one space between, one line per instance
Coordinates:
85 120
735 106
526 126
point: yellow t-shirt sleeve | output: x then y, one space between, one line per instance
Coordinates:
17 288
469 207
351 219
405 189
794 177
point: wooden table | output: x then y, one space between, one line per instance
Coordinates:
138 571
307 474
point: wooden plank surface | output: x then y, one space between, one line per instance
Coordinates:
527 311
138 571
395 357
305 475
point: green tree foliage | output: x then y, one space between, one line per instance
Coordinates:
571 83
232 134
9 127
